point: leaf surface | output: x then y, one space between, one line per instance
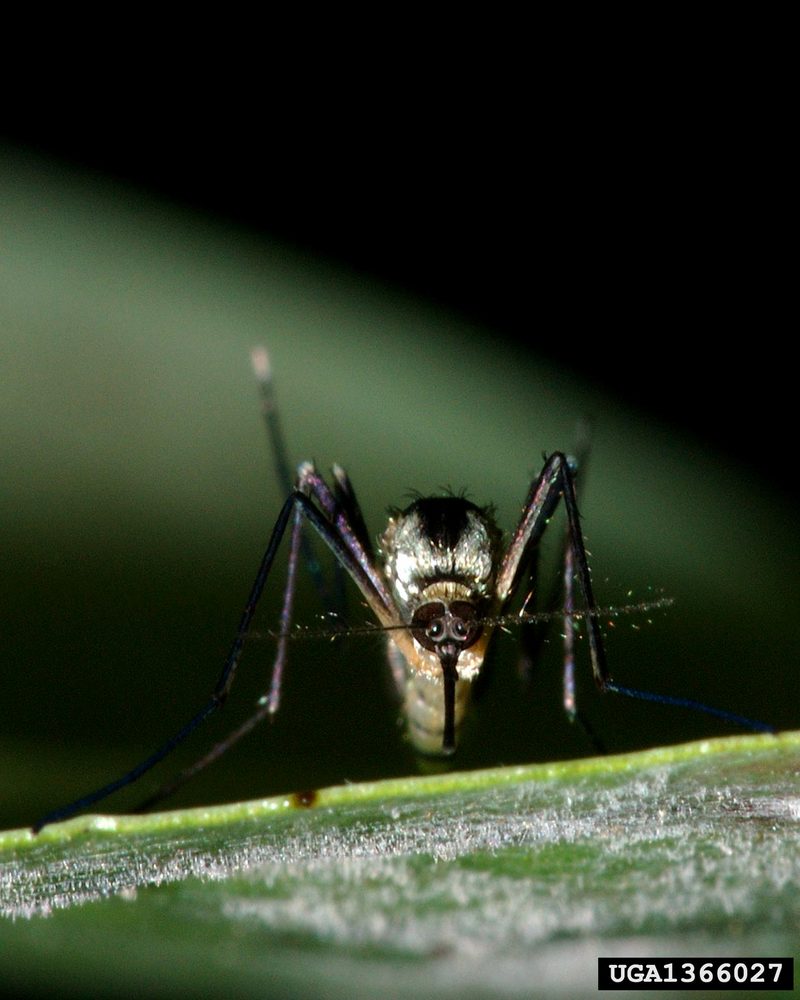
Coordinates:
481 883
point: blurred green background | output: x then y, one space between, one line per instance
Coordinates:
136 496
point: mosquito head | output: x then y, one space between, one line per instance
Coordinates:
447 630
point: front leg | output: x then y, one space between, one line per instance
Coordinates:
555 482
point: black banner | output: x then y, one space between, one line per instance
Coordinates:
695 973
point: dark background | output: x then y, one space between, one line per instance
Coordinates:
640 243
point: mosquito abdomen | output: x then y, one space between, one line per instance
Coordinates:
423 705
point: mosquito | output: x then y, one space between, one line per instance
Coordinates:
439 584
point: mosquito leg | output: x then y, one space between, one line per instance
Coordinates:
530 636
341 538
574 714
213 754
262 369
268 704
554 483
340 505
344 512
575 464
342 552
272 700
579 566
339 514
601 674
346 495
569 637
218 696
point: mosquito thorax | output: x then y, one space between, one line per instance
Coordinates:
440 539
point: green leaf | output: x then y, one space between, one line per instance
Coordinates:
497 882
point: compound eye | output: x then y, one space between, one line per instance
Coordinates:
427 625
460 629
465 626
435 630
